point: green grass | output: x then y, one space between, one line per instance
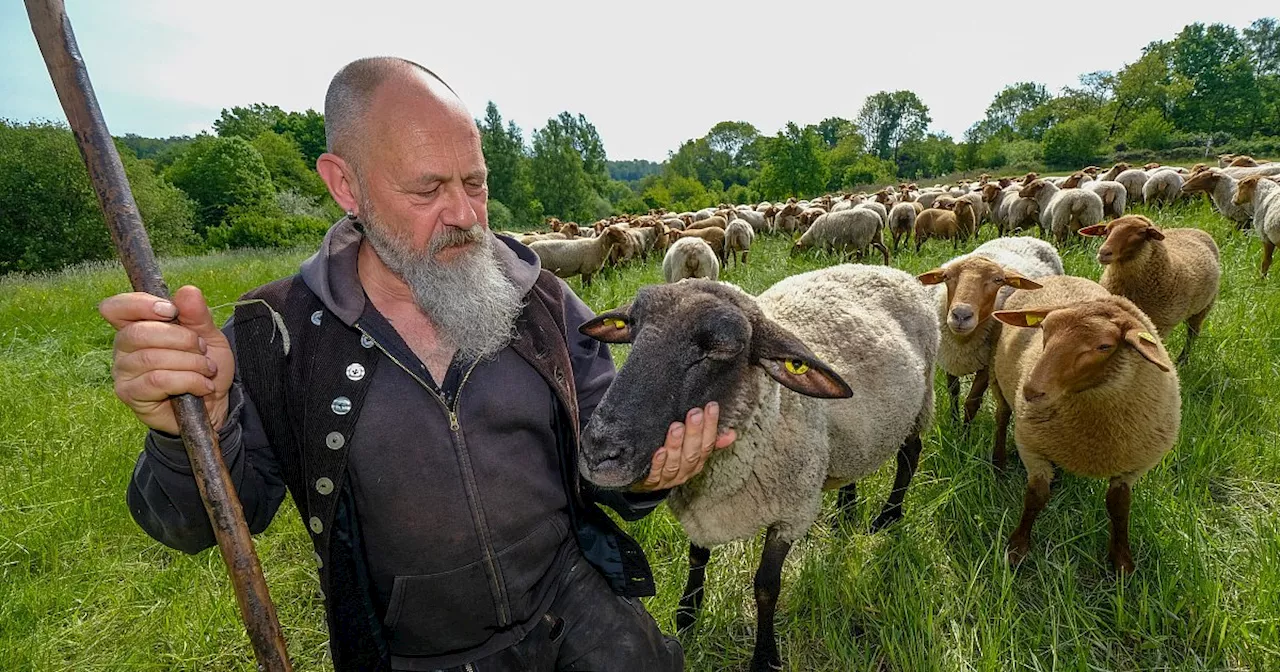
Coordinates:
82 588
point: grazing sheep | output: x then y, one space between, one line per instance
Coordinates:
703 214
1063 211
1162 187
715 238
1114 172
757 220
877 208
738 238
1133 180
580 256
846 231
1264 196
902 221
939 223
787 219
715 221
690 258
1172 275
1091 390
1114 197
1221 189
824 376
977 284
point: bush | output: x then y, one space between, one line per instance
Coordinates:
256 228
49 214
500 217
220 174
868 169
1074 143
1023 154
1149 131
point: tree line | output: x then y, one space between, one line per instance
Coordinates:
252 183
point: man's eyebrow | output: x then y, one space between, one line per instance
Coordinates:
430 178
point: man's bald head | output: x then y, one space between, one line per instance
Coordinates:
351 93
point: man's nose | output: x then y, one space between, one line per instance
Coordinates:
458 211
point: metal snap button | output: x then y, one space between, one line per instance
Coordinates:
324 486
366 341
316 526
355 371
334 440
341 406
315 317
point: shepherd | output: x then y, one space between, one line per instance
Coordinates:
419 388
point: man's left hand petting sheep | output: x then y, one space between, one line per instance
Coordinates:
423 406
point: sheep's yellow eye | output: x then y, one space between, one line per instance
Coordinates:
1146 337
619 324
797 367
1033 320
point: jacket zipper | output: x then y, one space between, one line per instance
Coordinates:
468 478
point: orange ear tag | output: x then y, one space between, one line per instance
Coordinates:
797 367
1033 320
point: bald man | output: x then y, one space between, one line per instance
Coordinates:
418 388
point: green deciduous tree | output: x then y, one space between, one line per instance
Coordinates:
1074 143
888 120
50 215
219 173
558 171
283 159
508 164
1005 114
793 164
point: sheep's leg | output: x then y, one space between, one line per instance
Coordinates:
744 255
1003 413
691 601
973 403
846 505
1193 330
1268 249
883 250
953 388
908 460
1039 474
586 279
1119 498
768 585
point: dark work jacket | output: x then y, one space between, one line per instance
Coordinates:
292 422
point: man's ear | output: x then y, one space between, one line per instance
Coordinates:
1094 230
1148 345
1021 318
790 362
338 176
1015 280
934 277
611 327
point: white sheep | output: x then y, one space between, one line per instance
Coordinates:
1221 188
1133 179
846 231
1162 187
1063 211
580 256
1263 196
738 238
902 222
824 377
970 288
1115 198
690 258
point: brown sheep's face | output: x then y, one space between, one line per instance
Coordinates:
1032 189
1203 181
989 192
973 285
1080 346
1245 189
1125 238
692 343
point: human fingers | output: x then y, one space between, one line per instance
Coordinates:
122 309
146 335
139 362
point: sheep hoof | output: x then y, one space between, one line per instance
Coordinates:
1122 561
886 518
1019 549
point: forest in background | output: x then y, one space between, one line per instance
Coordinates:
252 183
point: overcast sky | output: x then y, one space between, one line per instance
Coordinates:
648 74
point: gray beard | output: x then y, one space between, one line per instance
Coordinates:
471 303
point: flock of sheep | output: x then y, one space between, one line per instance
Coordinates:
828 373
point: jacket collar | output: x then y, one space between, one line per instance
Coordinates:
331 273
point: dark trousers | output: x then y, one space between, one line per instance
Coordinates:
588 629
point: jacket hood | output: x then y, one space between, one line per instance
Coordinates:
331 273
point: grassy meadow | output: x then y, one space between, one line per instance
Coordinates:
82 588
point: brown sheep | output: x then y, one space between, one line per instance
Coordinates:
713 236
713 222
955 224
1243 162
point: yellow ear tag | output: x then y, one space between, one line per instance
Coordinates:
1033 320
619 324
1147 337
797 367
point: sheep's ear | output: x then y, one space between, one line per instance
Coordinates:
934 277
1148 346
1021 318
1094 230
1015 280
1154 234
611 327
787 360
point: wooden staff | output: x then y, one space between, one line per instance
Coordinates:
57 42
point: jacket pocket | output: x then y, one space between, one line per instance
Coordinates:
434 614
